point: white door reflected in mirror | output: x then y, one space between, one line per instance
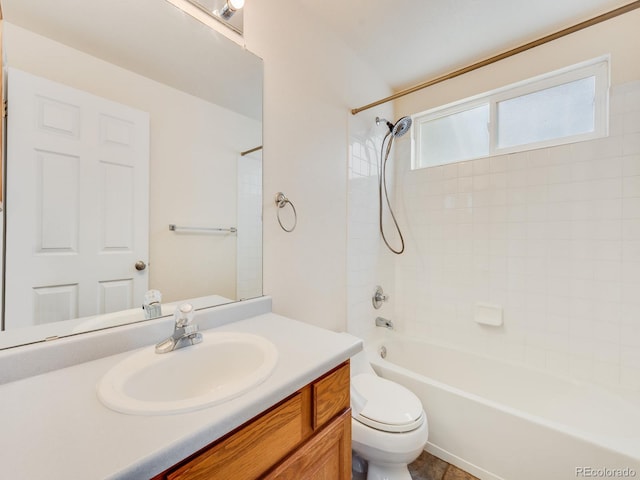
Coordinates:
79 190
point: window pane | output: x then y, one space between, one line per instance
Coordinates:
561 111
455 137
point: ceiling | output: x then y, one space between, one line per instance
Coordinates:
410 41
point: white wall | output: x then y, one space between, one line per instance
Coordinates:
311 83
194 185
552 234
249 261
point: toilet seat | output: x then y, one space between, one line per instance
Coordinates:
384 405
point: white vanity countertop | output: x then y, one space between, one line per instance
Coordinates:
52 426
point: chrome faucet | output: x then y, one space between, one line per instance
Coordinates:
152 306
185 333
383 322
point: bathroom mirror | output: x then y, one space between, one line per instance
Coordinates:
134 137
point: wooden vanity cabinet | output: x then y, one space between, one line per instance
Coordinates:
305 436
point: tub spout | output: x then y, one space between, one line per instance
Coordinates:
383 322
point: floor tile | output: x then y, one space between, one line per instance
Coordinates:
454 473
428 467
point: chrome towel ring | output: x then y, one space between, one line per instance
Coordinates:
281 202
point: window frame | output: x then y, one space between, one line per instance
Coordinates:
598 67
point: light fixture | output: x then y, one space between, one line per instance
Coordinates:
227 12
230 8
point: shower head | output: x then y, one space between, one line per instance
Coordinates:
398 129
401 127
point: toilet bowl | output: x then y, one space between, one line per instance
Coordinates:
389 427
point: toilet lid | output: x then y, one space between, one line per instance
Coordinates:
384 405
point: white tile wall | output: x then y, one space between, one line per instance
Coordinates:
249 242
552 235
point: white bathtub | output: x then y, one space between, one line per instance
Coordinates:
501 421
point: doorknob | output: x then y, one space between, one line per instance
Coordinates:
140 265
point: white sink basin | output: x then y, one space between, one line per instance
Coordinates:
224 366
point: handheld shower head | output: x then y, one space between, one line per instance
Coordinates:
398 129
401 127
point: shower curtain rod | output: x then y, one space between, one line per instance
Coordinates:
509 53
247 152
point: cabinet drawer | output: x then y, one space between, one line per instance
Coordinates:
270 438
331 395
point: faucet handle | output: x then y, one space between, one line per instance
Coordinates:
151 305
184 315
152 296
379 297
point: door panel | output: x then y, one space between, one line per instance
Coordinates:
116 212
53 304
76 203
115 295
57 212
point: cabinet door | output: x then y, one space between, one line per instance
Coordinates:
326 456
252 450
331 395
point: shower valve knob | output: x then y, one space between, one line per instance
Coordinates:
379 297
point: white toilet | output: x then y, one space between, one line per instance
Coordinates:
388 427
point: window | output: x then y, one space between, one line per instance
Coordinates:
455 136
565 106
562 111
